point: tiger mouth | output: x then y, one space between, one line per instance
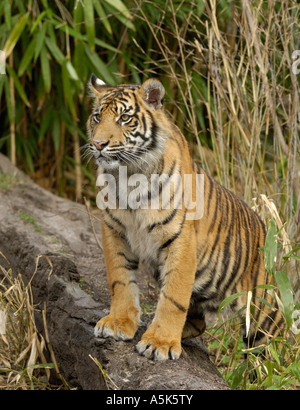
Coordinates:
128 157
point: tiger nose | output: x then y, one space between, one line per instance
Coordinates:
100 144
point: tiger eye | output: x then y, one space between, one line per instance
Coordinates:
97 118
125 117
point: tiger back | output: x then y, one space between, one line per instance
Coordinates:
199 258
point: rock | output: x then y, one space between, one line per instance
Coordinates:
37 227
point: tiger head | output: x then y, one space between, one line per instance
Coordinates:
128 125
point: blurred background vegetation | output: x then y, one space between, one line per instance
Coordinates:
231 86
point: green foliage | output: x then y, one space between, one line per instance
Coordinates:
51 49
274 365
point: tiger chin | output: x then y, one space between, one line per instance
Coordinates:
197 261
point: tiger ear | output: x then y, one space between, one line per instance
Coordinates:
153 92
96 86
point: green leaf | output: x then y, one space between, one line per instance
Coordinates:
286 294
40 17
229 299
15 35
237 375
78 57
54 50
89 23
27 57
101 13
296 372
265 302
45 121
7 13
40 37
269 287
18 85
72 71
120 7
122 14
45 66
270 250
28 156
67 89
290 253
274 354
77 15
100 68
200 7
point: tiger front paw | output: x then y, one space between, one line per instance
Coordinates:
159 348
119 329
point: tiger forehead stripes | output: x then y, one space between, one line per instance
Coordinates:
197 261
126 130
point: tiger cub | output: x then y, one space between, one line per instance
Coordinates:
198 260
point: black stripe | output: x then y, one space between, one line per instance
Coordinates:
211 187
128 266
128 259
175 236
144 123
212 225
116 282
113 229
115 219
180 307
165 221
169 241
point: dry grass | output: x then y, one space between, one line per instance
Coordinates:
23 349
232 88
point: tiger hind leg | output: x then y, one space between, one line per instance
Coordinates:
194 325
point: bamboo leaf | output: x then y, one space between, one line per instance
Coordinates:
45 67
40 37
78 57
7 13
77 15
230 299
54 50
101 13
18 85
72 71
15 35
27 57
270 250
89 23
123 13
290 253
99 66
237 375
119 6
286 294
39 18
67 89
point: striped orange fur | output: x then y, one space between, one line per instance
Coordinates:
196 262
